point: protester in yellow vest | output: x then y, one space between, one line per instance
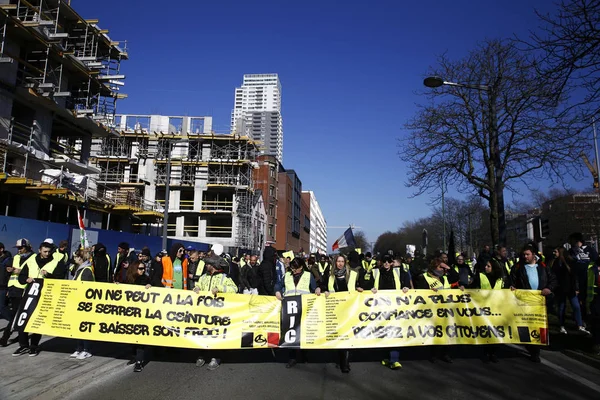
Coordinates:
14 288
389 278
342 279
40 266
490 279
295 282
435 279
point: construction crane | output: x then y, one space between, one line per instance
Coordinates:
592 169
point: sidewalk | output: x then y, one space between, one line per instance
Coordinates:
52 374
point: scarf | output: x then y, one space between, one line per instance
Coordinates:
339 273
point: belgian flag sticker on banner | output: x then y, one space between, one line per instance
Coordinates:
252 339
537 335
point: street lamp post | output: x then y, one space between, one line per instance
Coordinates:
435 82
166 208
444 215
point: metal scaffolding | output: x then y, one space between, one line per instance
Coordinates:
245 232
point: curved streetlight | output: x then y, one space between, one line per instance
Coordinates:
436 82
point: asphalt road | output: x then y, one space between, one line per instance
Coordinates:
255 374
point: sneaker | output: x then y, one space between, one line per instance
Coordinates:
139 366
213 364
20 351
583 330
34 351
395 365
3 342
385 363
200 362
75 354
83 355
131 362
563 330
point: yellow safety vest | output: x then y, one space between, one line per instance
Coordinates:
351 282
303 286
485 284
395 271
35 271
14 277
406 267
436 284
57 255
509 265
199 268
78 277
322 269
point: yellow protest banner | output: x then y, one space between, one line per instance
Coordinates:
419 317
161 317
289 254
178 318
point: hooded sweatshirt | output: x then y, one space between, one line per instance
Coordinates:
266 272
102 270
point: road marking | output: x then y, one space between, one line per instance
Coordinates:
565 372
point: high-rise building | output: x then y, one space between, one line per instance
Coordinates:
257 112
266 180
318 225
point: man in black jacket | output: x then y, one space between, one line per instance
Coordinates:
40 266
266 272
530 275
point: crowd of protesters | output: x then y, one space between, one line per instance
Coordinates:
570 277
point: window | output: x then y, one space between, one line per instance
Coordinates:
271 190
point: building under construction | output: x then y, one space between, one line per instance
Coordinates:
211 191
60 82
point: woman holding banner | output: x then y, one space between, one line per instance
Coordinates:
84 272
490 279
341 279
389 278
136 275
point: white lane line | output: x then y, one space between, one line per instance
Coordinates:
565 372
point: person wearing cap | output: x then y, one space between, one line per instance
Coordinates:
175 268
5 261
121 262
465 275
14 288
435 279
390 278
40 266
145 257
368 263
215 281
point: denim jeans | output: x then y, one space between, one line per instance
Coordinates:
394 356
562 308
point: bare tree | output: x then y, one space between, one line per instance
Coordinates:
503 126
570 44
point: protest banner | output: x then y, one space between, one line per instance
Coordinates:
161 317
416 318
178 318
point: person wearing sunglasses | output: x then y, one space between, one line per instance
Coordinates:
136 275
175 268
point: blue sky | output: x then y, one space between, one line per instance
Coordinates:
349 74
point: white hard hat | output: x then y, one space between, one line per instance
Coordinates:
217 248
49 240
